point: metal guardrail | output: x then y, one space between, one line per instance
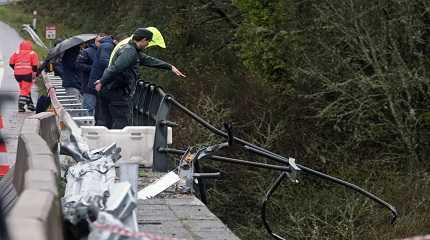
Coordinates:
92 191
64 117
151 105
34 36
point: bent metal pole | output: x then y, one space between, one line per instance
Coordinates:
273 156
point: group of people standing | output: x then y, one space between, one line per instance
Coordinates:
91 62
103 73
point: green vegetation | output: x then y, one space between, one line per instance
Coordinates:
15 17
342 86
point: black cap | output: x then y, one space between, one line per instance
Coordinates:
144 33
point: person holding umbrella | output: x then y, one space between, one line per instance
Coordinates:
118 79
84 63
68 51
71 78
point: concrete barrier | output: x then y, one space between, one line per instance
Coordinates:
35 216
37 143
36 212
48 129
32 153
30 126
44 180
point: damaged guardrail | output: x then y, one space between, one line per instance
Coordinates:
151 106
92 194
34 36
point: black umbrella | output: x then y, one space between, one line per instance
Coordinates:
67 44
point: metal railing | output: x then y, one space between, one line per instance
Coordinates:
151 106
34 36
63 114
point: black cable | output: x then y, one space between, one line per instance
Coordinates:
266 153
266 198
231 160
331 179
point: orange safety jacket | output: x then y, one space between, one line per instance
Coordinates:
25 60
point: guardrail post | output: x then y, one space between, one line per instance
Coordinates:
150 107
141 101
146 101
136 100
161 159
150 100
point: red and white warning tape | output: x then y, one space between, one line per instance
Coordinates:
4 168
2 143
124 232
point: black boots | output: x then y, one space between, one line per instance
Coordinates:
30 105
21 103
25 100
21 107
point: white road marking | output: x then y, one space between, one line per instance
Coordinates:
1 69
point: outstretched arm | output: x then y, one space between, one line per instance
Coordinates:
177 72
149 61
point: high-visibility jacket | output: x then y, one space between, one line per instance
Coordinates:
25 60
157 40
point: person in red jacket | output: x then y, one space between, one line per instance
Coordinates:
24 62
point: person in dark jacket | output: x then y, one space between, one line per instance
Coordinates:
115 84
56 62
105 45
84 64
71 79
58 68
53 64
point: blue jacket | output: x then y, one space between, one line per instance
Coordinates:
59 69
71 77
84 63
101 61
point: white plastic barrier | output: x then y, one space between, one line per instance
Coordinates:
136 142
84 120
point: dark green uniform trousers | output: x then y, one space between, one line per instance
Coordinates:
112 108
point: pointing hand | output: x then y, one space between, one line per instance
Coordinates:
177 72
